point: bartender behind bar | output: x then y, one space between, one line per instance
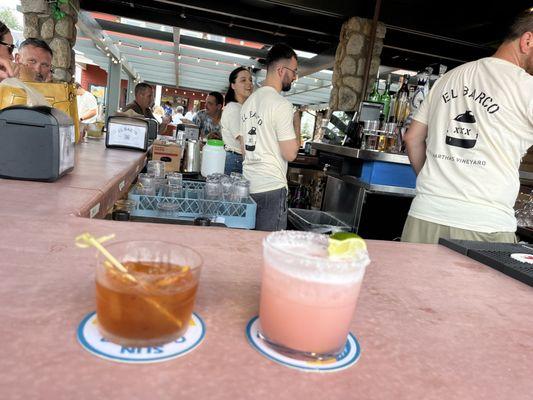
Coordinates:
466 142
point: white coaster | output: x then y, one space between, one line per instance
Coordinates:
522 257
92 341
347 358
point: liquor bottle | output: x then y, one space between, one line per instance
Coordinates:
375 96
422 89
386 99
401 108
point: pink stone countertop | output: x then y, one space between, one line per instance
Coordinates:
100 176
432 324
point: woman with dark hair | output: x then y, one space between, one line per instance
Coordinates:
240 88
6 51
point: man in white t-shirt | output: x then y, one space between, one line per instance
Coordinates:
87 105
269 139
466 142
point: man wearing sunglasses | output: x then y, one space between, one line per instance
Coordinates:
37 55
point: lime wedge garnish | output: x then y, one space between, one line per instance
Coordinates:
343 245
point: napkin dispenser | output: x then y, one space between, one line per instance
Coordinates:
36 143
128 132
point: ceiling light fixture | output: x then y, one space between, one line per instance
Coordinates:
197 60
216 63
179 57
140 48
120 42
160 52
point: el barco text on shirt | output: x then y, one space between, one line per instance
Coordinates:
478 96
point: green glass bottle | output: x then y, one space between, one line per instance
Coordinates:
375 96
385 98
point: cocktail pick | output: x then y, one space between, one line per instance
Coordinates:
87 240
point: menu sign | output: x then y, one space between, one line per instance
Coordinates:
126 135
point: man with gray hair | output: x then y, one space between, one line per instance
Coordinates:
466 142
176 118
37 55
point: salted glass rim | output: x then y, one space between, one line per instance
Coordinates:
272 242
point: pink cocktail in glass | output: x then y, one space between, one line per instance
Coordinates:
307 299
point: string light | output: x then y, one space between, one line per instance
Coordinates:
106 48
179 56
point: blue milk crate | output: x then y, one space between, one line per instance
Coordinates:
192 204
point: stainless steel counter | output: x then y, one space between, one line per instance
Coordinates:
361 154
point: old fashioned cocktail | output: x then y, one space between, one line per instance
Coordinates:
153 303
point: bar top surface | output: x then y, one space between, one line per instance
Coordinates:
432 323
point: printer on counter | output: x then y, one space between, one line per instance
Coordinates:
36 143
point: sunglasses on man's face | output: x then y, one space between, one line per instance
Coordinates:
10 47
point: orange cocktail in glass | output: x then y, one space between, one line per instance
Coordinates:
153 303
